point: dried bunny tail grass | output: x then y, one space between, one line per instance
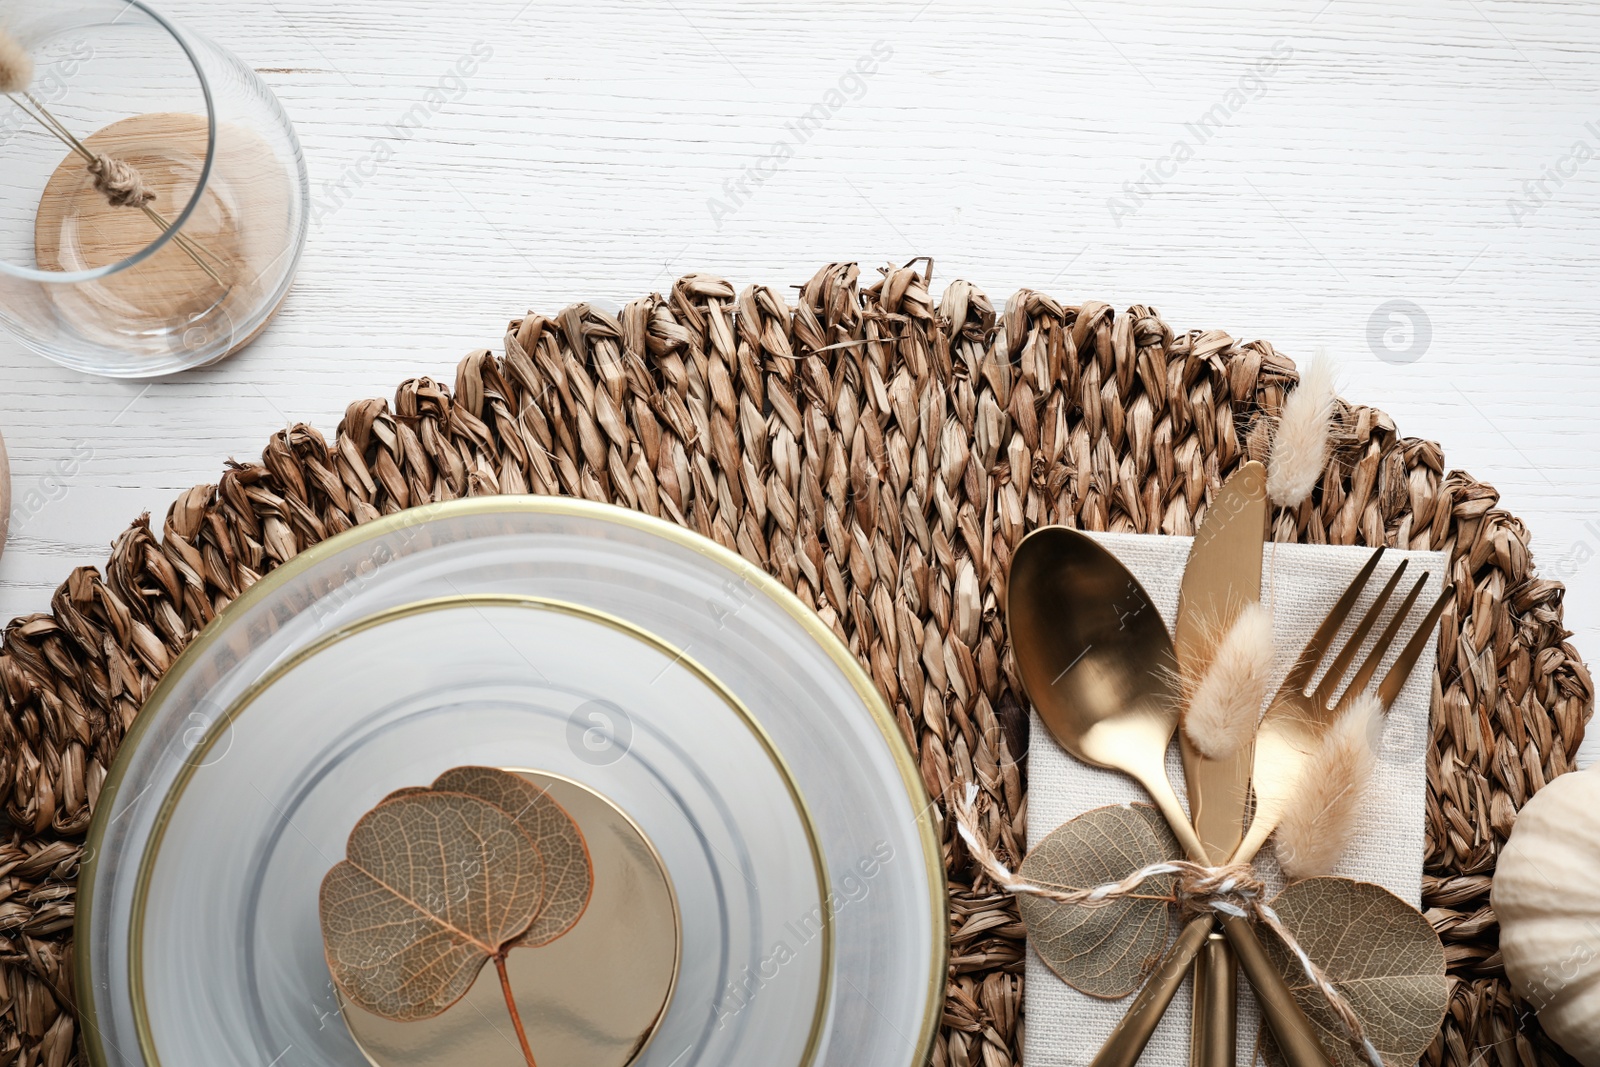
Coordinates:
16 66
1225 705
1304 436
1320 819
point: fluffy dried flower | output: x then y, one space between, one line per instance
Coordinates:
1320 820
1225 706
16 66
1304 436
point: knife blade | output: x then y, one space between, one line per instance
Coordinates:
1222 576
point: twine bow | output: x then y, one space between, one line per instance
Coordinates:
1232 889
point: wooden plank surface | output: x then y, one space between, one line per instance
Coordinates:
1324 175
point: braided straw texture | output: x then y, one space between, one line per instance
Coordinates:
882 455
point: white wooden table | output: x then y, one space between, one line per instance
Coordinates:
1393 182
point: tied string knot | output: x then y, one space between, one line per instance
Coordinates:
119 182
1233 890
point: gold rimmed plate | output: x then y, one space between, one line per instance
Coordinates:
705 615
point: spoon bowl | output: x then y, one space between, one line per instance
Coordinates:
1096 660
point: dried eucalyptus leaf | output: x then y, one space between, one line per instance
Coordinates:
569 872
433 885
1104 951
1379 951
437 882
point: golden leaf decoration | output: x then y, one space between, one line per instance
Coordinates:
1107 950
1378 951
569 871
433 886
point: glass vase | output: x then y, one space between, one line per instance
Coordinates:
154 200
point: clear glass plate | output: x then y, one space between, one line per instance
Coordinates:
250 806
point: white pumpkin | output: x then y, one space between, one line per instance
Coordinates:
1547 897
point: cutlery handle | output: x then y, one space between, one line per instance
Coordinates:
1133 1030
1197 1016
1296 1037
1214 1038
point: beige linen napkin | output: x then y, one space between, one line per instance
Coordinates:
1301 582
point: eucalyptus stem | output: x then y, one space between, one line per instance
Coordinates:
511 1006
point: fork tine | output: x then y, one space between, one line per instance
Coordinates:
1395 680
1380 648
1300 674
1341 662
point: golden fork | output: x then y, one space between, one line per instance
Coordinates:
1298 715
1286 743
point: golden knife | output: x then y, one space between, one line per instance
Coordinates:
1296 1036
1222 576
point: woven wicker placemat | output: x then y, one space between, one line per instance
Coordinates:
882 455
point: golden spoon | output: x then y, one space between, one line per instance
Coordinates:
1097 662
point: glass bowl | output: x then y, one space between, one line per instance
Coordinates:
134 290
